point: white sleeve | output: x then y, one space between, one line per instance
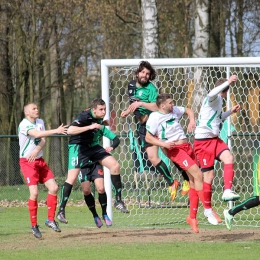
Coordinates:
25 127
179 111
152 124
215 91
226 114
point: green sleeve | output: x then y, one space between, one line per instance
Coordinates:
109 134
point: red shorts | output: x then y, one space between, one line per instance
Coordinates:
183 155
208 150
35 172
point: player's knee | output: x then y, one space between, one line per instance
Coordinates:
86 192
154 159
197 174
33 195
115 169
53 189
208 176
227 158
100 190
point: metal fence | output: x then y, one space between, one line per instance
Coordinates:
11 179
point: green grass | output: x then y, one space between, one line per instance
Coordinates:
166 251
78 240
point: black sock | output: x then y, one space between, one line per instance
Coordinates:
163 170
247 204
183 173
117 186
90 201
64 196
103 202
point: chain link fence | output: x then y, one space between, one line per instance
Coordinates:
12 185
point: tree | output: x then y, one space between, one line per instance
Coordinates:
149 29
200 50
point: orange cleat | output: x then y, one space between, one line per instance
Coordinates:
217 216
185 188
173 189
193 222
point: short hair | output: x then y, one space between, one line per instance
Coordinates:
220 82
162 98
145 64
97 102
25 107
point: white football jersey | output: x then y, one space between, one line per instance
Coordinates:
166 126
209 121
28 143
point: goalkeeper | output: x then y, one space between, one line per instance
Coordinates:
142 95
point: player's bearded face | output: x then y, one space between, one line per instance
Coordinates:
143 76
99 111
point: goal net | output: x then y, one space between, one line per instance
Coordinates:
188 80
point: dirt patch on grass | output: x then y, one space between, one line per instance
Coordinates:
77 237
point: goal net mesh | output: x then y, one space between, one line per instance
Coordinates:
144 191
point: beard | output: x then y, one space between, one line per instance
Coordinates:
142 81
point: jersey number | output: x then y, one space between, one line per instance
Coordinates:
204 161
74 161
185 163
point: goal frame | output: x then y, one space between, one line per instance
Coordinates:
160 63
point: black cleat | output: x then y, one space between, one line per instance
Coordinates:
121 206
52 224
36 232
61 217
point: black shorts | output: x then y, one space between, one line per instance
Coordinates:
141 136
91 172
80 155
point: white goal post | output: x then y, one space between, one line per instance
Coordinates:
187 79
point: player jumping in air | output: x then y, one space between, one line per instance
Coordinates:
208 146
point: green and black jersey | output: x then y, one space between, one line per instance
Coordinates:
92 137
147 93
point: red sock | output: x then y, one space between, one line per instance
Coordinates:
194 203
207 188
51 204
201 196
228 175
33 207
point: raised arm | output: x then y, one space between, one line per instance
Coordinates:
215 91
75 130
149 106
39 134
192 124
